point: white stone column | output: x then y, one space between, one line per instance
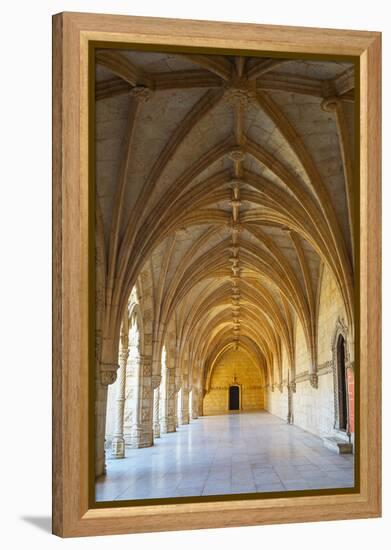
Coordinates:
190 404
178 407
118 443
156 412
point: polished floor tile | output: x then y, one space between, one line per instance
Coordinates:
228 454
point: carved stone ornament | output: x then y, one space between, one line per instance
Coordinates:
314 380
236 155
108 373
156 379
239 92
141 93
292 387
147 368
145 415
123 355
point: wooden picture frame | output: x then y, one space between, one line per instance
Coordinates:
72 295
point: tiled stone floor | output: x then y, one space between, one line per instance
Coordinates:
235 453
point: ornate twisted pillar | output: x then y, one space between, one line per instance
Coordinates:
156 405
132 399
118 443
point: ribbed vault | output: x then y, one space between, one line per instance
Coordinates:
224 184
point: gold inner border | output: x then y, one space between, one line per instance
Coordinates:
92 47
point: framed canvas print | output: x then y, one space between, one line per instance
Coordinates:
216 199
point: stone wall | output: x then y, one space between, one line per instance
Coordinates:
239 366
277 402
313 409
302 357
331 308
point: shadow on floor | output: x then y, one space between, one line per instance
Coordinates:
44 523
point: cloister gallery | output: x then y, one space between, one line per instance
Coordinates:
224 274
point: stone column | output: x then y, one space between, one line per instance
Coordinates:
118 443
106 374
184 397
156 406
291 390
167 401
163 400
145 430
132 428
100 412
184 404
194 403
190 404
100 426
178 407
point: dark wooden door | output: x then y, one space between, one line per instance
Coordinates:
234 398
342 394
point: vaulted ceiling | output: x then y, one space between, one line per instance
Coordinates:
228 181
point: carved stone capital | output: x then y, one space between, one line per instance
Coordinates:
314 380
292 387
156 379
123 355
108 373
146 365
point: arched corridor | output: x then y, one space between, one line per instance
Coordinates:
224 274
